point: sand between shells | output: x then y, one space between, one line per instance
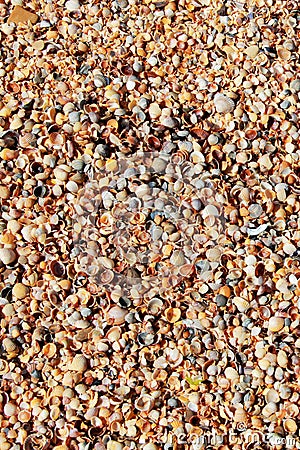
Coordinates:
149 249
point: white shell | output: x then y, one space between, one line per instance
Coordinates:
223 103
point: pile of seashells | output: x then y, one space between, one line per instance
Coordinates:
150 228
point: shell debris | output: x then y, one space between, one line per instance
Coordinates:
149 224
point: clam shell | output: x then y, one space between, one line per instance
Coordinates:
9 345
276 324
3 366
36 441
114 445
155 305
241 304
144 403
10 409
223 103
7 256
177 258
20 291
117 314
49 350
290 426
79 364
231 373
172 314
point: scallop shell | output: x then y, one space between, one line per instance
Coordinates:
177 259
24 416
114 334
223 103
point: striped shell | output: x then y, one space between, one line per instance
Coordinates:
223 103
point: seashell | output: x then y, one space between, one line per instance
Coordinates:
79 364
9 345
71 186
7 256
255 210
241 304
154 110
155 305
150 446
60 174
72 5
289 248
295 85
169 122
251 134
226 291
252 51
10 409
256 231
3 367
4 192
144 403
240 415
28 140
159 165
284 53
20 291
57 269
231 373
54 412
114 334
223 103
290 426
56 139
177 258
107 276
27 233
78 164
40 191
145 338
114 445
276 324
117 314
172 314
272 396
24 416
49 350
36 441
187 270
269 409
264 312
